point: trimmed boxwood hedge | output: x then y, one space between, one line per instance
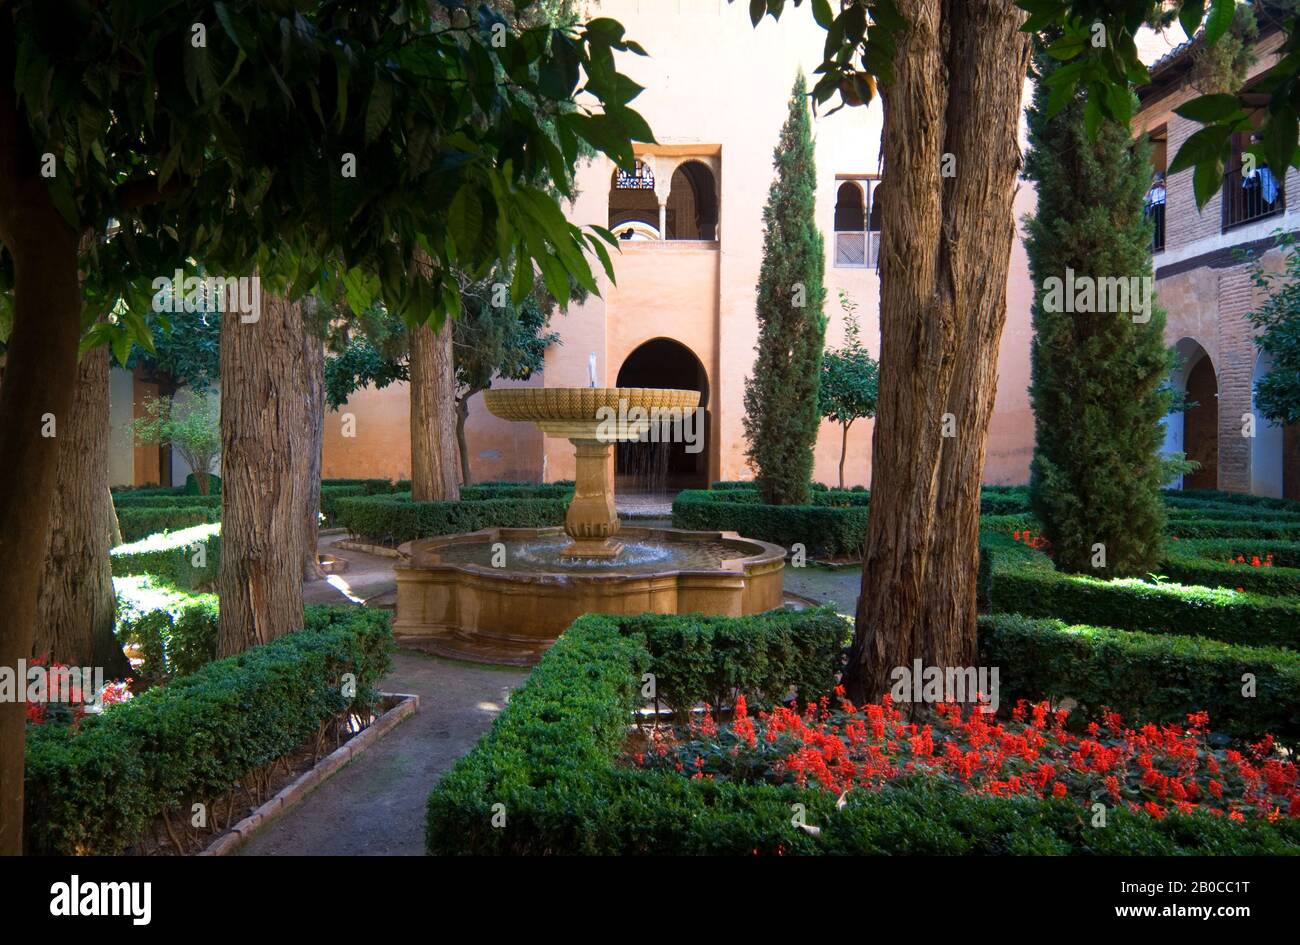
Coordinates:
1015 579
176 630
516 490
394 519
170 557
824 530
552 761
138 523
97 789
1151 677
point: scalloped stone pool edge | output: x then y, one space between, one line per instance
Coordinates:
503 615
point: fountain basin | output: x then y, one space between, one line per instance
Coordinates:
453 601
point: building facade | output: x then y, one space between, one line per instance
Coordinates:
690 225
1204 284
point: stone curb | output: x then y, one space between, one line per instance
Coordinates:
377 550
296 791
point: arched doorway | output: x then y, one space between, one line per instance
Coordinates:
1194 432
850 225
633 206
1266 449
664 467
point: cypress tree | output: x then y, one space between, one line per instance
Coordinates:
781 415
1097 376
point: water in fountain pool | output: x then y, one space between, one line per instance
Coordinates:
639 556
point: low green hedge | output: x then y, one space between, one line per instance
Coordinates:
824 530
1235 498
391 520
132 500
1152 677
98 789
175 630
1024 582
138 523
368 486
1191 568
552 759
171 557
697 658
516 490
1264 529
1286 554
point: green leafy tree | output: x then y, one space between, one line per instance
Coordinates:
1098 377
190 425
392 145
781 403
1278 323
850 380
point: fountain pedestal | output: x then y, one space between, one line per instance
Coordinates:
592 521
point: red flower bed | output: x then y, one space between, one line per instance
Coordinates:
51 710
1255 560
840 748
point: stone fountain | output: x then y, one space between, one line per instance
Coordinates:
503 595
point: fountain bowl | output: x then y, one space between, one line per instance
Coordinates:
456 600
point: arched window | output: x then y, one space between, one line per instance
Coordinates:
633 206
850 225
692 203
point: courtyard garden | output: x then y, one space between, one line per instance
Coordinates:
266 659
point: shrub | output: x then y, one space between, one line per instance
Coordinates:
176 631
551 759
170 556
1016 582
516 490
392 520
708 659
143 500
1156 677
97 789
138 523
1186 567
824 530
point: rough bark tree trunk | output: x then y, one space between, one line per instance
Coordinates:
434 472
39 379
313 368
958 78
75 613
462 443
264 443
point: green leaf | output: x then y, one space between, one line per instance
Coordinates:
1190 15
756 10
380 108
465 221
1206 181
1207 144
1220 18
821 11
1209 109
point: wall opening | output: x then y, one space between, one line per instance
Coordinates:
663 468
633 205
1266 449
692 209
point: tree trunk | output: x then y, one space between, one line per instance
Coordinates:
462 444
958 77
313 366
75 615
434 474
844 449
264 441
39 379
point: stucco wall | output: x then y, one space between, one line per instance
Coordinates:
716 89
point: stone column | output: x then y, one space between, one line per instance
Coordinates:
592 520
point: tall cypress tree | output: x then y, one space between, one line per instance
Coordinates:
781 416
1097 376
